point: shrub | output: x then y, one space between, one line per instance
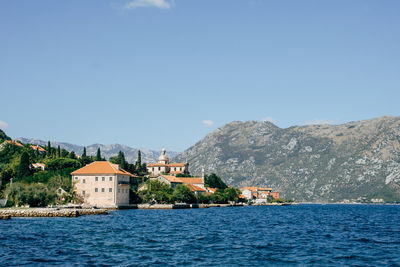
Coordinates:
62 163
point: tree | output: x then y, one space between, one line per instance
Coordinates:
58 151
64 153
72 155
139 160
183 194
84 152
232 194
98 155
24 165
48 148
214 181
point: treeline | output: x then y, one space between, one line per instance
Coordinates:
155 191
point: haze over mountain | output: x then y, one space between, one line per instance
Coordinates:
107 151
357 160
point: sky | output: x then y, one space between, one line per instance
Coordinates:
163 73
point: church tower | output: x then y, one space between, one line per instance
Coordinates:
163 159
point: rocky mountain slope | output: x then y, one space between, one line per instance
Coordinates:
107 151
354 161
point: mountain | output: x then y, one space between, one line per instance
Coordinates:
107 151
354 161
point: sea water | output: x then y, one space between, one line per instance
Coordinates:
318 235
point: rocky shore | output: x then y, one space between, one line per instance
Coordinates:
50 212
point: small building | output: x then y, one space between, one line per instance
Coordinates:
38 148
10 142
164 167
41 166
102 184
258 193
196 184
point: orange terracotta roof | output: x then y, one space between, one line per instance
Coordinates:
37 147
264 189
172 179
156 165
241 196
177 164
101 167
38 164
192 180
195 188
14 143
255 188
213 190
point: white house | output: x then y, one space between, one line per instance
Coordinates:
102 184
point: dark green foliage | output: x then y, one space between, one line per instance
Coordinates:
219 197
232 194
98 155
9 152
183 194
34 195
48 148
84 152
44 177
134 197
157 192
183 175
64 153
62 163
214 181
6 176
3 136
72 155
58 151
23 168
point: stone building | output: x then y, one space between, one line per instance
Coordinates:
102 184
164 167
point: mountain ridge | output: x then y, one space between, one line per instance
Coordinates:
345 162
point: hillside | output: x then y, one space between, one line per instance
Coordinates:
352 161
107 151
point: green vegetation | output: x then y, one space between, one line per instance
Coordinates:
161 193
24 185
214 181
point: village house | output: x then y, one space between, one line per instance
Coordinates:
38 148
164 167
36 166
11 142
196 184
102 184
259 194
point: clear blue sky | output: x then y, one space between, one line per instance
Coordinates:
148 73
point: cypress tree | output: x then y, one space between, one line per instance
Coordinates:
24 165
98 156
49 148
139 160
58 151
84 152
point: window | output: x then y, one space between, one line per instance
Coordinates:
84 181
103 178
96 179
83 193
110 189
119 190
159 168
102 190
76 178
96 190
153 169
174 169
110 179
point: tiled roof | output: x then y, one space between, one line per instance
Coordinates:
101 167
195 188
172 179
192 180
156 165
13 143
37 147
38 165
177 164
212 190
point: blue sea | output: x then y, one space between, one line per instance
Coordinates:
300 235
